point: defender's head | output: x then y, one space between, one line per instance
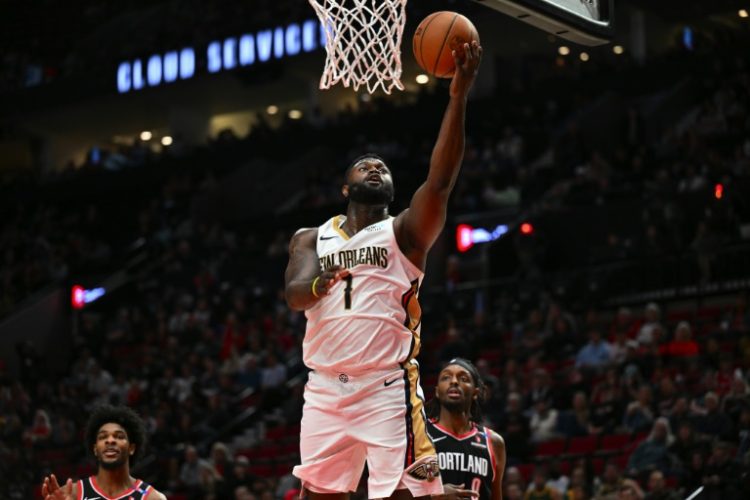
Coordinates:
116 435
460 388
369 181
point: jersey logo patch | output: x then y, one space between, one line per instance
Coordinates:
426 471
389 382
323 238
479 445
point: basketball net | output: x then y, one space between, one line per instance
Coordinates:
363 42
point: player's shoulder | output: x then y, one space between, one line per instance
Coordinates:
155 494
304 236
495 438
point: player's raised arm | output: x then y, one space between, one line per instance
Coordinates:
418 227
305 284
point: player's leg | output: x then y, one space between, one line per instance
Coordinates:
406 495
400 455
331 460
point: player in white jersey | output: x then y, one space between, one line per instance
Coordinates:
357 278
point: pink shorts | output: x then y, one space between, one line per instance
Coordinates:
378 418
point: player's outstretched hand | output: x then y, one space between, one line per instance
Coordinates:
51 490
328 278
467 61
456 492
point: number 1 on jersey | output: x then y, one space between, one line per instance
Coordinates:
348 292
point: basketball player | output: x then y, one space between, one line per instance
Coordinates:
357 278
471 456
115 435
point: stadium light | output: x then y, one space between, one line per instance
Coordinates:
146 135
718 191
563 50
618 49
166 140
743 13
422 79
584 56
527 228
295 114
272 109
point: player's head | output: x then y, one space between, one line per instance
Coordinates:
460 388
116 435
369 181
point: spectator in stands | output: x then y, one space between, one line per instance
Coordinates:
541 387
657 488
539 489
579 487
682 345
40 431
576 421
557 480
192 476
652 453
595 354
710 420
543 422
722 474
513 476
686 443
652 321
737 399
274 373
609 486
666 396
607 402
514 427
639 414
513 492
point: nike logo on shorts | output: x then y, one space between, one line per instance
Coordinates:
389 382
323 238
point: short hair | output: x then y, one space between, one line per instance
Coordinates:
120 415
359 160
475 410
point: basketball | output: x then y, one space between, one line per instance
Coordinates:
437 36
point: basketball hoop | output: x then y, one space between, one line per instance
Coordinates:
363 42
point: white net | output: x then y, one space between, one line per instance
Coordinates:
363 42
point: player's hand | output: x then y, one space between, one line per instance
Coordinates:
467 60
51 490
456 492
329 278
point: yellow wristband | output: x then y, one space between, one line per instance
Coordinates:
315 281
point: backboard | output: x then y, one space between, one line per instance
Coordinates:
587 22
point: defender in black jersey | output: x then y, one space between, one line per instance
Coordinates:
116 436
471 456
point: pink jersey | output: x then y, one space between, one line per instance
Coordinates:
371 320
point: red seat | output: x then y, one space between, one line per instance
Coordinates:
276 433
597 464
526 471
551 447
283 469
614 442
261 470
584 445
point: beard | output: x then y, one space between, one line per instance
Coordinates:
116 464
371 195
454 406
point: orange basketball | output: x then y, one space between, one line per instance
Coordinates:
437 36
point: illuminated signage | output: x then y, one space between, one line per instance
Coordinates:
220 55
79 296
467 236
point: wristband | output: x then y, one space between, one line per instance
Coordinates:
315 281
